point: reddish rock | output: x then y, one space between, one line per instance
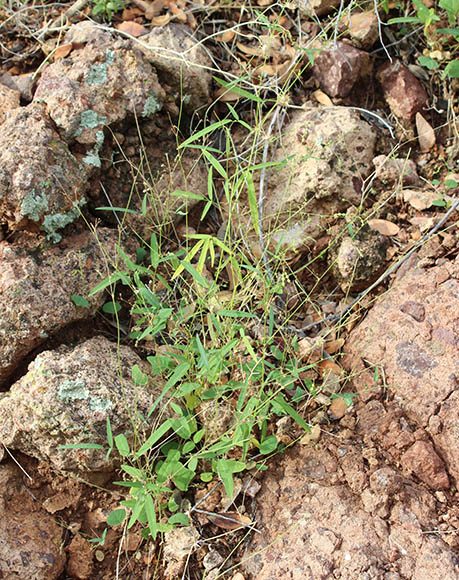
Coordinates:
363 28
393 171
424 462
316 7
413 334
80 562
9 99
337 68
30 539
403 92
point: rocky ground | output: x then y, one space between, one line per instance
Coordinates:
371 491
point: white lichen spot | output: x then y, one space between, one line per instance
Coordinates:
92 158
151 106
73 390
58 221
34 205
100 405
90 120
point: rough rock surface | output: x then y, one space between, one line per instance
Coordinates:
331 152
316 7
181 63
357 262
65 399
36 285
9 100
402 90
41 182
394 171
338 68
413 334
362 28
97 86
325 513
30 539
80 561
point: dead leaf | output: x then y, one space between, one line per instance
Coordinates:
229 520
310 350
131 13
226 95
63 51
250 50
132 28
178 13
419 199
329 365
384 227
322 98
426 135
311 437
159 21
333 346
151 9
338 408
226 36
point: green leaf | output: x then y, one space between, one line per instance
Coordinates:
181 519
139 377
207 476
80 301
109 281
452 69
116 517
189 446
154 438
405 20
109 433
451 183
133 471
183 478
290 411
111 307
428 62
122 445
205 131
225 469
81 446
188 195
151 515
233 87
215 163
451 8
236 314
268 445
252 201
115 209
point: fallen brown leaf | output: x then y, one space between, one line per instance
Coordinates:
384 227
226 36
250 50
426 135
329 365
63 51
322 98
132 28
178 13
333 346
419 199
159 21
229 520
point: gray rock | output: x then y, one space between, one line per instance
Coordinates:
65 399
30 539
36 285
356 262
316 7
9 100
96 86
42 184
328 153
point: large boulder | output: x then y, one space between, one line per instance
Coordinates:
36 285
42 183
30 539
412 334
65 399
324 157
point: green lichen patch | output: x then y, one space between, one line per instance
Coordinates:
89 119
152 105
58 221
97 73
100 405
34 205
92 158
73 390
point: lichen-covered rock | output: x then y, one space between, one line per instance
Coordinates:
328 153
357 261
42 184
403 92
30 539
413 334
96 86
36 285
181 63
338 67
65 399
9 100
324 513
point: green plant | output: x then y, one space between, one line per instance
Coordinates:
106 8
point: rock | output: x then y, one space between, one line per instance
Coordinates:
316 7
338 68
337 409
181 63
95 87
329 151
9 100
41 182
178 545
420 199
24 84
422 460
358 261
412 333
30 539
80 562
362 28
36 285
393 171
65 399
403 92
314 525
